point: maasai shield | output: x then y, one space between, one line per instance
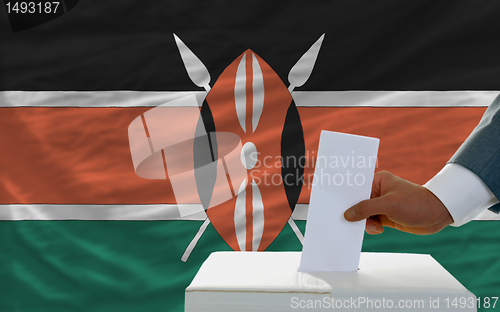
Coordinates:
251 101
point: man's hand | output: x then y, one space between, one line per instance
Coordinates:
402 205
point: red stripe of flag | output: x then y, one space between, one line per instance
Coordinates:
82 155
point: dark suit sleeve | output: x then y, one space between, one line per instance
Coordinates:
480 153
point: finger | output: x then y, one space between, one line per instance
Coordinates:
376 185
381 180
384 221
366 208
373 226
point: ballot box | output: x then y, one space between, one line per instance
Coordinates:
270 281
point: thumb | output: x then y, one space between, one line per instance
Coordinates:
366 209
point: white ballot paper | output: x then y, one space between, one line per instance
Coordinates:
343 177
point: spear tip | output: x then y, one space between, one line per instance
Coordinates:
301 71
195 68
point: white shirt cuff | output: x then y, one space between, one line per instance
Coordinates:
462 192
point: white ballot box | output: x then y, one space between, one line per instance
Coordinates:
270 281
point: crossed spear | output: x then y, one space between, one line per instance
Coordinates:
199 75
